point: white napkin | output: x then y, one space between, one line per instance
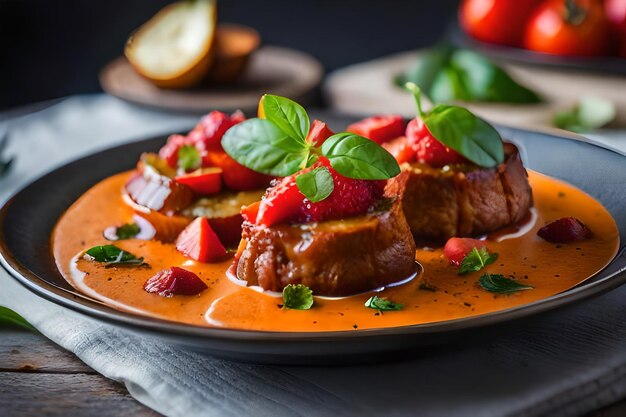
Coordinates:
564 363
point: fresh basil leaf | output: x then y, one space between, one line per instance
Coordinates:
357 157
459 129
484 81
591 113
297 297
427 68
316 185
476 260
449 86
289 116
11 318
127 231
382 304
499 284
263 147
189 157
112 255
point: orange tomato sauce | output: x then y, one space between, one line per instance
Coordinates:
438 293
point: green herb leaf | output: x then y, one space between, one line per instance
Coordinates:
382 304
297 297
289 116
11 318
476 260
127 231
357 157
189 157
499 284
316 184
469 135
263 147
449 86
427 68
591 113
112 255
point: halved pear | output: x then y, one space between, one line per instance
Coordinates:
174 48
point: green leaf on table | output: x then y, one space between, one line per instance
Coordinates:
316 185
127 231
111 255
297 297
427 68
590 113
11 318
382 304
189 157
498 283
476 260
262 146
357 157
287 115
459 129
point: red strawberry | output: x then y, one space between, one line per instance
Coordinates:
203 181
428 149
207 135
380 129
318 133
565 230
236 176
251 212
175 280
457 248
400 149
281 203
169 152
199 242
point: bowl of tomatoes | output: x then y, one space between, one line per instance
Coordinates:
583 34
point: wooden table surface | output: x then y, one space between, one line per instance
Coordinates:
38 378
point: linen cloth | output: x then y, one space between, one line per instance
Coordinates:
564 363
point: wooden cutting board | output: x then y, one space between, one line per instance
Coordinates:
271 69
368 88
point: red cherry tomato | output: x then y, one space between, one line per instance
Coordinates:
457 248
615 11
569 27
380 129
496 21
428 149
204 181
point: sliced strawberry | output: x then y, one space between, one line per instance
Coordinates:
565 230
400 149
250 213
318 133
169 152
236 176
227 229
175 280
207 135
203 181
457 248
428 149
380 129
281 203
199 242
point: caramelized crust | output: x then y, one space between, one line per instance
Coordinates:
464 200
333 258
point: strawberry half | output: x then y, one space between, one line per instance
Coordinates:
457 248
565 230
199 242
203 181
428 149
318 133
175 280
169 151
380 129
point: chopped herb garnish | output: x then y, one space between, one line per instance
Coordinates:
297 297
476 260
499 284
425 286
382 304
189 158
112 255
127 231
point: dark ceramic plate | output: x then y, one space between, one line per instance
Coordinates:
606 64
26 222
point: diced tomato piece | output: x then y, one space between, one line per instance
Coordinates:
250 213
207 135
380 129
318 133
236 176
400 149
175 280
199 242
457 248
428 149
169 151
203 181
281 203
565 230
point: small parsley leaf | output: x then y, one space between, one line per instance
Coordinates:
382 304
499 284
476 260
189 158
316 185
297 297
112 255
127 231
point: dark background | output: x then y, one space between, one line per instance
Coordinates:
51 48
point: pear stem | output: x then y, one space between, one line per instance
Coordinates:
417 94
